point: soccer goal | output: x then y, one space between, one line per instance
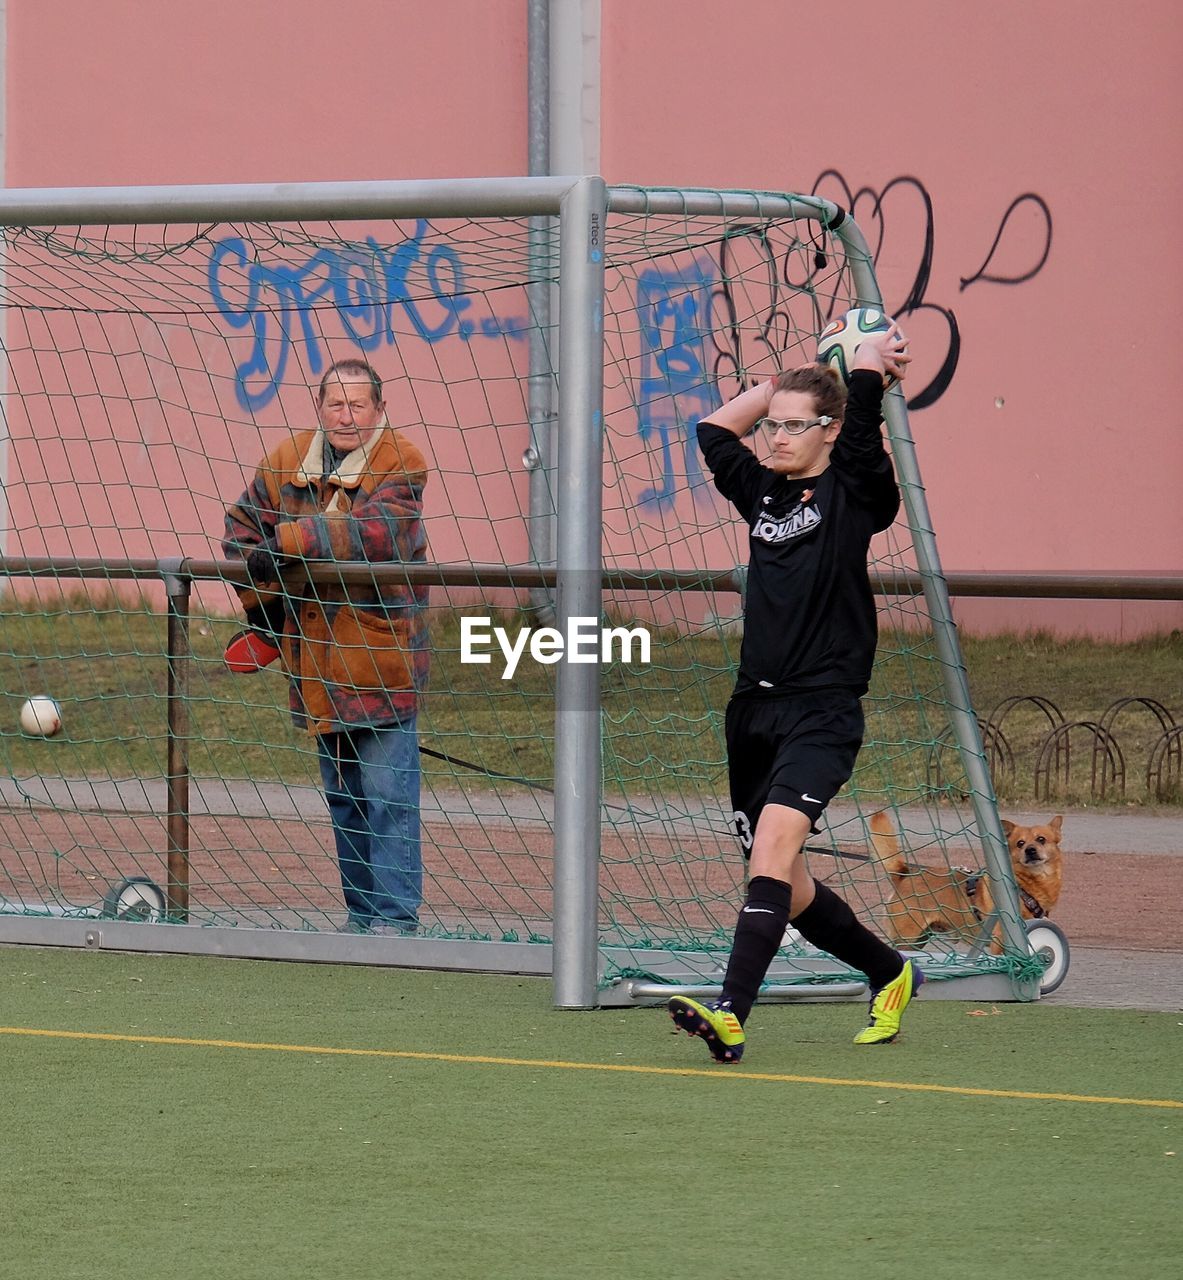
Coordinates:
549 344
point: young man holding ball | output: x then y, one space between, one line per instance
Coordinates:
795 723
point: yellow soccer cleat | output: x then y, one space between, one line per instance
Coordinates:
888 1005
714 1023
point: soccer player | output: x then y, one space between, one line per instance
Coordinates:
794 722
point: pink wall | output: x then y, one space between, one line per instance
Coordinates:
1051 443
233 92
134 91
1056 444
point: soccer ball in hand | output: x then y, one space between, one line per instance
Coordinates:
840 339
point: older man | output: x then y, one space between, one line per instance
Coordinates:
356 655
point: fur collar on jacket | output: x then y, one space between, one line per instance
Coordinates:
349 471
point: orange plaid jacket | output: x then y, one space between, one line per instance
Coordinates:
355 654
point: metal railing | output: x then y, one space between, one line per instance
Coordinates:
179 574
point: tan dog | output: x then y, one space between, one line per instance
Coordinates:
930 900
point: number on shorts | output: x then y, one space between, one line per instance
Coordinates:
743 828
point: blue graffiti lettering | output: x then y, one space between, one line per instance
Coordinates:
673 310
361 285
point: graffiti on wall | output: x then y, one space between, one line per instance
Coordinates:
1038 247
360 287
705 319
756 302
673 391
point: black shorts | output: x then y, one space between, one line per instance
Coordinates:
795 751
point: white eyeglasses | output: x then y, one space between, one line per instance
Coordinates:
794 426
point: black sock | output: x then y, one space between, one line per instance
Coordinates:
829 924
758 934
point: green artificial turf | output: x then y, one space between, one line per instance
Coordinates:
600 1145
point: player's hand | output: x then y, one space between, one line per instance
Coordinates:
266 562
886 353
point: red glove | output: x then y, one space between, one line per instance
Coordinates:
252 650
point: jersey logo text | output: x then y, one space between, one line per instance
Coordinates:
785 528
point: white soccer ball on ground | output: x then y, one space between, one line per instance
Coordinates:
41 717
839 340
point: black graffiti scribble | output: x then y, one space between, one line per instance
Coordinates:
757 278
983 274
728 335
939 383
915 300
787 286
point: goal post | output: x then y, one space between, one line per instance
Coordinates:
940 611
157 338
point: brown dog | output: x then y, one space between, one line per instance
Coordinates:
930 900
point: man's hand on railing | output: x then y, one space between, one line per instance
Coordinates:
266 562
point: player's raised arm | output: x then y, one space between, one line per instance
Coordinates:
859 456
742 413
734 467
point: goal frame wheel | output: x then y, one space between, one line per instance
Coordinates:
1048 939
136 898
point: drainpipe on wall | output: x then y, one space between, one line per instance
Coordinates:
563 70
539 458
3 326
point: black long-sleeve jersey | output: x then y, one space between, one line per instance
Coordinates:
809 613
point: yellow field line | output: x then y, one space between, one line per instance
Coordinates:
715 1073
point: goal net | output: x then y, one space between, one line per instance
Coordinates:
150 366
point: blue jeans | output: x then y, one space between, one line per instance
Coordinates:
371 782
